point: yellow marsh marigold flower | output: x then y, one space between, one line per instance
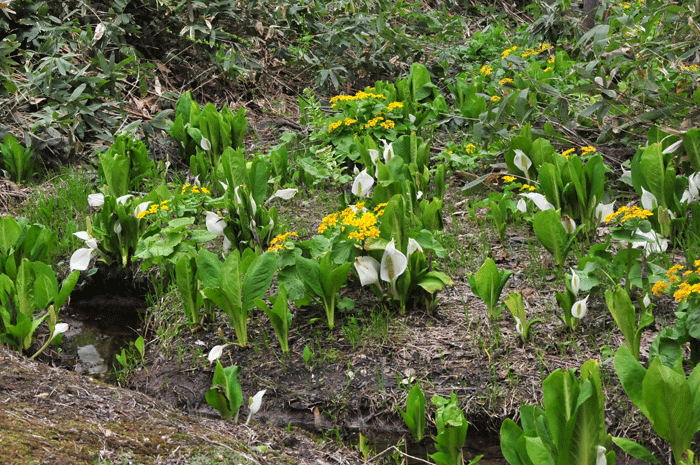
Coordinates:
527 187
486 70
393 105
279 241
636 212
495 98
551 59
505 81
508 178
333 126
505 53
568 152
673 270
470 148
588 149
388 124
659 288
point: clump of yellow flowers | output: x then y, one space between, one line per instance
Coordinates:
280 241
628 213
363 223
686 283
153 208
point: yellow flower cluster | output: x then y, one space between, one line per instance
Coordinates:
568 152
659 288
360 95
505 53
628 214
280 240
551 60
535 51
393 105
527 187
154 208
194 189
364 222
508 178
505 81
486 70
385 123
693 68
347 121
587 150
495 98
470 148
683 290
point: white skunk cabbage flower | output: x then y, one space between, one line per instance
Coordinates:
368 270
653 244
254 404
575 282
649 201
285 194
521 206
568 223
580 308
80 260
519 326
603 210
60 328
215 224
362 186
122 200
394 263
693 191
215 353
522 161
600 456
388 151
413 245
96 200
540 201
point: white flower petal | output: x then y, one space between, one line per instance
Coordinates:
82 235
91 243
600 456
519 326
413 245
215 224
286 194
122 200
60 328
649 201
117 228
96 200
522 161
388 151
540 201
362 186
142 207
521 206
603 210
575 282
255 402
368 270
373 155
215 353
580 308
653 244
568 223
394 263
80 260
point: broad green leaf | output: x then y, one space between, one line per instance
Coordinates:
9 234
631 374
623 311
209 269
653 170
550 232
691 144
635 450
510 436
258 279
25 289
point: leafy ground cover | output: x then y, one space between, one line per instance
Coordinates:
329 204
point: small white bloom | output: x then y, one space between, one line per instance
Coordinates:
540 201
373 155
603 210
60 328
649 201
394 263
388 151
368 270
580 308
419 194
254 404
122 200
626 177
653 243
646 300
96 200
568 223
142 207
519 326
575 282
285 194
362 186
117 227
521 206
522 161
413 245
205 144
600 456
80 259
82 235
215 353
215 224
